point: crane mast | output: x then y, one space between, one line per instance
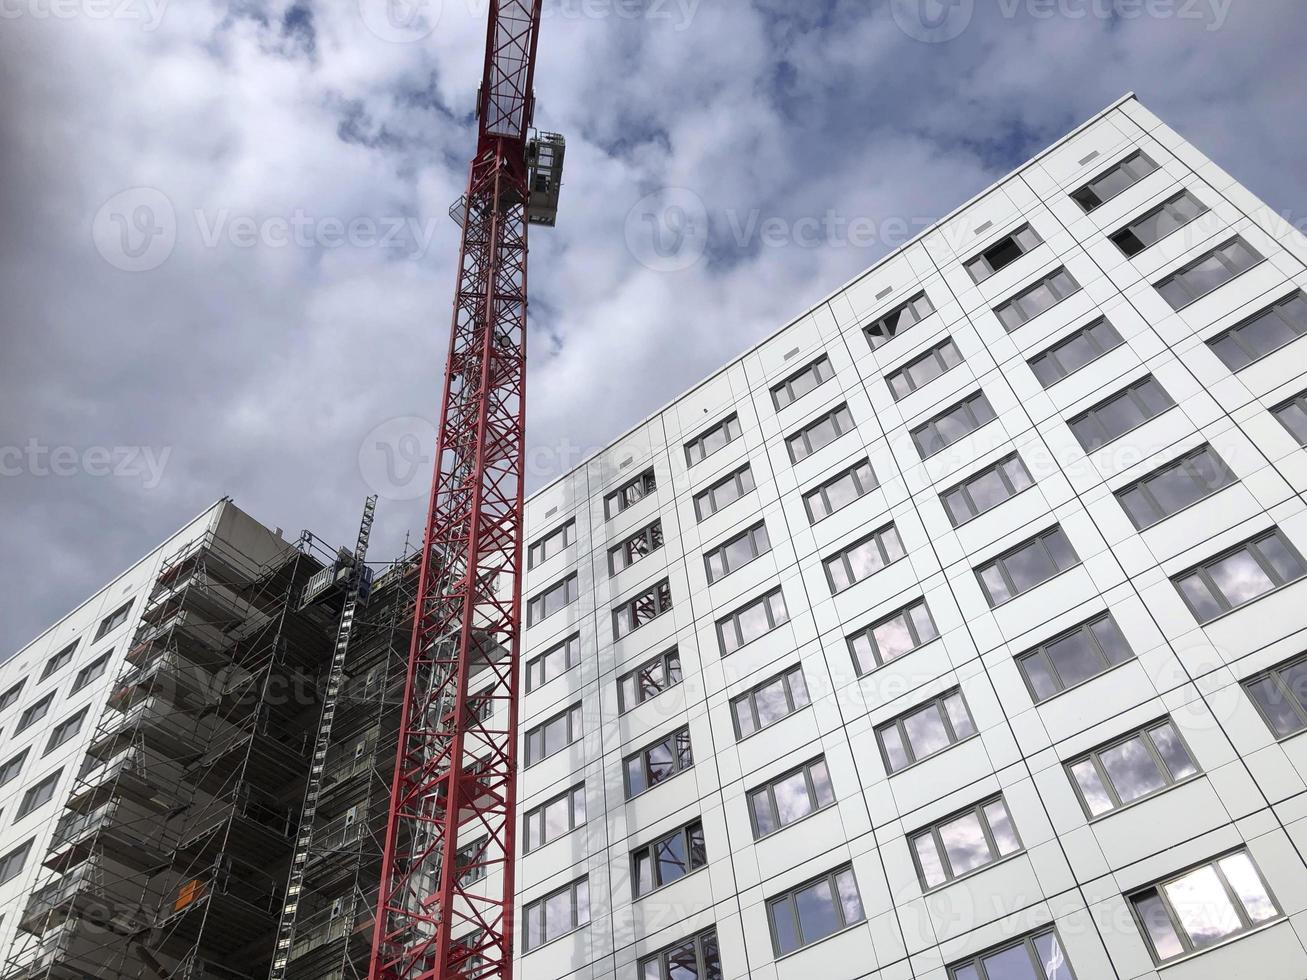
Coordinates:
445 902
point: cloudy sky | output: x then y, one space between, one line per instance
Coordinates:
227 262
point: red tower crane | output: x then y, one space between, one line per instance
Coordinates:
445 910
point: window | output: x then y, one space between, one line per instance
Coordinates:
38 795
746 624
1071 353
471 860
1114 180
629 494
553 543
639 545
551 600
987 489
736 552
11 865
952 424
13 767
964 842
1002 253
670 857
557 660
790 797
819 433
1152 226
1038 956
1262 334
60 660
10 697
1036 299
925 730
863 558
1073 657
34 712
1203 906
1171 488
890 637
923 368
897 320
554 818
1029 564
554 735
91 672
801 382
727 490
1240 575
658 762
814 910
643 608
701 447
840 491
1280 695
1208 272
694 959
1131 768
557 914
767 703
66 729
1292 414
648 680
113 621
1113 417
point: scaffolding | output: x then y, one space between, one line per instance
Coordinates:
171 857
345 825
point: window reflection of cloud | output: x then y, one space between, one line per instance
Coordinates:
1132 770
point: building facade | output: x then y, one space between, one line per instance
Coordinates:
950 632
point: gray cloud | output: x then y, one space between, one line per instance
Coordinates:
308 153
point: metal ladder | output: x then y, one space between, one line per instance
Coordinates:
304 837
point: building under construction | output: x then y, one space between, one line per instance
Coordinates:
171 854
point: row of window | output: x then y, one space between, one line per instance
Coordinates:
1095 427
1217 585
1238 346
1157 495
89 673
1108 778
1179 915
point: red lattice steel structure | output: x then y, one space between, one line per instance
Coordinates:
442 914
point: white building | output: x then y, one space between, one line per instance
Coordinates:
1000 547
949 633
